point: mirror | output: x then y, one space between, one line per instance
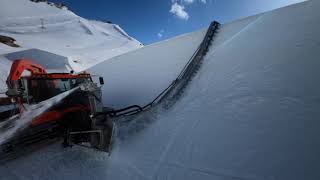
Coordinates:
101 80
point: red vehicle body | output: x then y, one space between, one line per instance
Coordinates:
40 85
75 118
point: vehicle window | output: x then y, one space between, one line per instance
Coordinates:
65 85
42 89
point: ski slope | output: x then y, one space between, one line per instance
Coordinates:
251 112
81 43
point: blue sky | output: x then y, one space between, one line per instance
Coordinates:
150 21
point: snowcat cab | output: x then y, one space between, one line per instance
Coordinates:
38 88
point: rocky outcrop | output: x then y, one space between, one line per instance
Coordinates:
8 41
58 5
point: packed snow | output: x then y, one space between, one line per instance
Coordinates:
61 32
4 66
52 63
139 76
251 112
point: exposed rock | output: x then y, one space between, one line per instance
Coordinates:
106 21
58 5
38 1
8 41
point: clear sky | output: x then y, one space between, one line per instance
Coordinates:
150 21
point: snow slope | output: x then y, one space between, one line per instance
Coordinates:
38 25
251 112
139 76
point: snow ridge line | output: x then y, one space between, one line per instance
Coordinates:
175 89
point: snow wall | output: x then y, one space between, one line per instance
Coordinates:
50 61
139 76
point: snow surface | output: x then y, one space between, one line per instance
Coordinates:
63 32
251 112
139 76
4 66
59 31
51 62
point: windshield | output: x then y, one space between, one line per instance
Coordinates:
43 89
